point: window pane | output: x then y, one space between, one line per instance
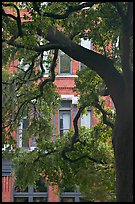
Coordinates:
61 125
20 199
54 129
65 104
25 141
47 58
65 64
64 121
86 120
40 199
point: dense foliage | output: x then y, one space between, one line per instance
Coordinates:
89 163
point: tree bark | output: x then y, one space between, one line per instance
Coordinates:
122 97
123 149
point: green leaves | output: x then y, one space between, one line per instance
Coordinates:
95 172
88 84
46 159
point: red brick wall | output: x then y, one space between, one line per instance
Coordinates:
94 119
53 194
7 185
75 66
108 102
66 83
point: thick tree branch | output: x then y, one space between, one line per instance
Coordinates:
63 153
52 77
39 49
44 155
119 9
41 86
130 14
18 18
97 62
69 10
104 114
36 8
75 139
125 41
75 123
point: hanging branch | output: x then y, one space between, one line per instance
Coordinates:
104 114
41 86
65 150
52 77
75 123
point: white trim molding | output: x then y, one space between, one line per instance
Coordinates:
72 98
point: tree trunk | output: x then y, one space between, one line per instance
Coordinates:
121 93
123 148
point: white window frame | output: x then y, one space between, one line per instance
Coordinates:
61 113
65 110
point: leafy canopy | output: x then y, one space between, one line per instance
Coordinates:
27 90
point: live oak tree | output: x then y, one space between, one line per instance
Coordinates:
60 26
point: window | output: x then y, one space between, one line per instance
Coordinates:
54 128
32 193
6 167
47 58
23 140
72 196
86 119
64 64
64 121
65 117
87 44
23 66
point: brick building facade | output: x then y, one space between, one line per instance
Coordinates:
65 84
63 120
